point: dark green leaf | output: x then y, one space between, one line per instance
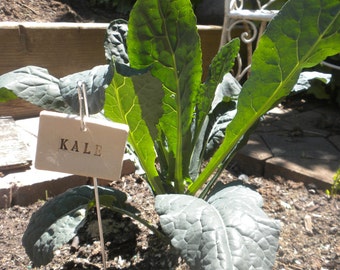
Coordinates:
220 66
222 111
58 220
115 42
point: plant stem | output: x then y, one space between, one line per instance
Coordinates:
152 228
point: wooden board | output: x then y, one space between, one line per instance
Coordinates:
66 48
14 154
62 48
19 109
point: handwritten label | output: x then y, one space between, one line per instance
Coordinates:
95 152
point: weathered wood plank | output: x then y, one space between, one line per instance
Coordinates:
62 48
19 109
13 151
66 48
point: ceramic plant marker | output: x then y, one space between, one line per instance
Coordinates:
83 146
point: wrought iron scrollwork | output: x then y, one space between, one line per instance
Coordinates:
252 21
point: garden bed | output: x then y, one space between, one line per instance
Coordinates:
309 235
309 218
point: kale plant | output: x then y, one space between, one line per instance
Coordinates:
173 120
157 87
177 123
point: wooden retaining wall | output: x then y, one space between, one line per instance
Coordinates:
66 48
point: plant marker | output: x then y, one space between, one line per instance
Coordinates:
83 146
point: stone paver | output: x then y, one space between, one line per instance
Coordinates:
317 148
252 158
300 146
302 170
335 140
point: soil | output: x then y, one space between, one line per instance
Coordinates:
60 11
310 219
309 237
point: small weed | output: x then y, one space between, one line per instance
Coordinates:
335 188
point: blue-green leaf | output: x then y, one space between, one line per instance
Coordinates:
96 80
228 231
58 220
35 85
